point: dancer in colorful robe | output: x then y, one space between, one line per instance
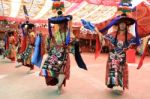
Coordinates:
120 41
56 68
27 42
27 45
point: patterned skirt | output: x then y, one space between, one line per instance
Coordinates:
25 57
117 70
57 62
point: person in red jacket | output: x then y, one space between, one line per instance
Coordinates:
10 52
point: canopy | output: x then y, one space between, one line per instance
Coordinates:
95 11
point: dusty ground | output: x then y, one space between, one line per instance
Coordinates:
15 83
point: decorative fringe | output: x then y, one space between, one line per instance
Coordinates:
98 48
37 58
49 28
111 82
136 35
23 44
47 73
78 57
68 37
143 56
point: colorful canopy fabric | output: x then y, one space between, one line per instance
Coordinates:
94 11
98 2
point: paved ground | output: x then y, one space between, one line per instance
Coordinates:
15 83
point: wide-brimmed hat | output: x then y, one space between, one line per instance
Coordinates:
60 19
124 18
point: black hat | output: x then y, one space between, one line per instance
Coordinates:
124 18
30 25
